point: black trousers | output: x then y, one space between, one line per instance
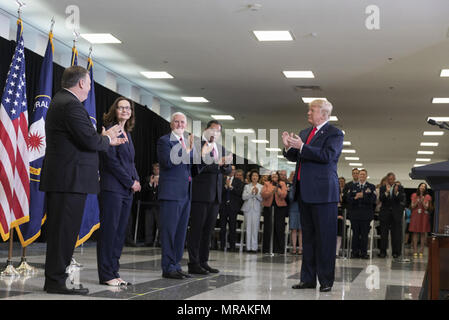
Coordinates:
151 223
203 216
64 216
278 231
114 213
391 220
228 216
360 231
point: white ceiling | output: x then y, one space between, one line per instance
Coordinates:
209 48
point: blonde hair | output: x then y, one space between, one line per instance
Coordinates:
324 105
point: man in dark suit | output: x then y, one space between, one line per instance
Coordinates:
69 173
316 152
349 186
150 188
206 198
392 196
362 201
175 192
230 206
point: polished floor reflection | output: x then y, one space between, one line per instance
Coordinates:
242 276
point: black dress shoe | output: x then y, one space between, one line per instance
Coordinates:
65 290
365 256
198 270
172 275
304 285
184 274
382 255
395 256
209 269
355 255
325 289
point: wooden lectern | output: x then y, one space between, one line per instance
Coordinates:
437 176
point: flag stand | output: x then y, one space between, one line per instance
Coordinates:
24 268
10 271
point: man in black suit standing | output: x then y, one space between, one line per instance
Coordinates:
69 173
230 206
206 198
392 196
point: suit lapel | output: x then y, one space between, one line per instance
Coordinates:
320 132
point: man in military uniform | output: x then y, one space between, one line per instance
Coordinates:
362 200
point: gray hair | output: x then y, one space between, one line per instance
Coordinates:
324 105
177 114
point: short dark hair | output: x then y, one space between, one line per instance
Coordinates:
72 75
355 169
366 171
251 173
210 123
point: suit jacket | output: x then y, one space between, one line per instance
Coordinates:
394 203
208 184
174 176
149 192
319 179
362 208
253 202
117 169
235 195
280 195
71 158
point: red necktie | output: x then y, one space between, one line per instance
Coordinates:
307 142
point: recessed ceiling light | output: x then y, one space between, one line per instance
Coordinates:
244 130
423 159
260 141
273 35
273 149
355 164
309 99
440 100
333 118
194 99
418 165
438 118
290 162
346 143
298 74
222 117
429 144
280 157
433 133
352 158
348 151
444 73
100 38
343 132
426 152
157 75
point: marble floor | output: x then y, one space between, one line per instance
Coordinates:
243 276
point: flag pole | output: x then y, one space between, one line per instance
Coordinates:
9 269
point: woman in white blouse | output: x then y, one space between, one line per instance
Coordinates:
252 208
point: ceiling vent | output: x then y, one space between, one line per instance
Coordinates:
307 88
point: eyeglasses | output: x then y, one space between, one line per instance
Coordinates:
124 108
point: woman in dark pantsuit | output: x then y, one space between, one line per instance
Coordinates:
118 181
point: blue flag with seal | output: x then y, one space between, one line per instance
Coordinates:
30 231
91 216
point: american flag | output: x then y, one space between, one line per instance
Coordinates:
14 164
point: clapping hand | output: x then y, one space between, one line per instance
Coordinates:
113 133
190 146
294 141
285 136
